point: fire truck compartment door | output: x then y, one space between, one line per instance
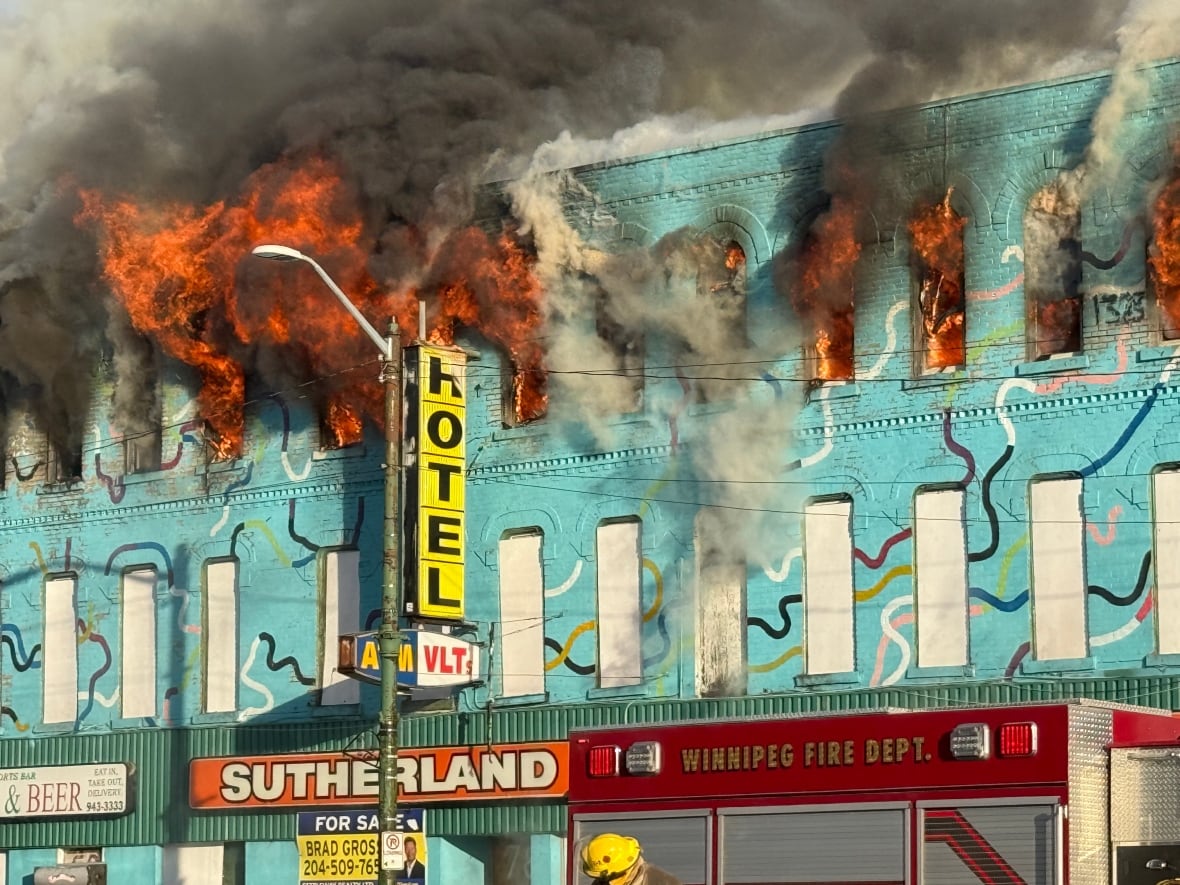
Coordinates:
813 845
975 844
676 842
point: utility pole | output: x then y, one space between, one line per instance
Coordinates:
389 637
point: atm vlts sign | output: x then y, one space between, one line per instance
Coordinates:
435 464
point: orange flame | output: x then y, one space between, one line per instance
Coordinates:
343 424
491 287
175 269
183 275
937 235
1164 260
735 257
824 296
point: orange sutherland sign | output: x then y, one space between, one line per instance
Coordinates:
434 774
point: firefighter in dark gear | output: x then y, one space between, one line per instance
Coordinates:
610 859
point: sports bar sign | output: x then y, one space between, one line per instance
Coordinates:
434 774
66 790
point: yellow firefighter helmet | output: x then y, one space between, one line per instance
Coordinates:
608 856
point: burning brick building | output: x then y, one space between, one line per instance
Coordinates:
743 435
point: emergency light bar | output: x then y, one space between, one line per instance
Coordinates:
971 741
1017 739
603 761
644 757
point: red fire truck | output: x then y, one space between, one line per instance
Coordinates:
1063 793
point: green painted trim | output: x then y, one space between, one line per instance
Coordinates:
162 815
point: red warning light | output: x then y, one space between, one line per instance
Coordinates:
1017 739
603 761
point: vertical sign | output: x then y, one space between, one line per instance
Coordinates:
435 467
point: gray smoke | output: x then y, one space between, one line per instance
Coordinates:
421 102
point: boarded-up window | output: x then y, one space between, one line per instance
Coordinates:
827 587
1058 569
1166 500
620 615
192 865
59 651
940 553
340 612
219 625
721 610
521 631
137 643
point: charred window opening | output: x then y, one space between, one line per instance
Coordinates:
823 293
525 397
1053 271
341 425
722 279
721 288
137 413
626 348
63 463
937 236
1163 258
141 452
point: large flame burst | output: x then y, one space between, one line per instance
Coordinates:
824 295
937 235
180 272
1164 259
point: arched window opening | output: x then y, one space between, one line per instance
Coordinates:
715 327
1053 271
723 278
937 235
823 292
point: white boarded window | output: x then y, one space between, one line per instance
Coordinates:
1166 501
340 612
720 610
521 633
59 651
1058 569
220 628
940 553
137 646
620 615
192 865
827 587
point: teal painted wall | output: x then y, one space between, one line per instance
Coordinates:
1104 415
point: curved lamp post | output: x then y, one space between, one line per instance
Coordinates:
389 636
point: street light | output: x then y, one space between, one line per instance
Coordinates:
389 637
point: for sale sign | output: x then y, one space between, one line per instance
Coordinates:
341 847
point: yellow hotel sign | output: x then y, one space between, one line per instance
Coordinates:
435 462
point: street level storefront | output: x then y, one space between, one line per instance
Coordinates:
427 778
214 807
